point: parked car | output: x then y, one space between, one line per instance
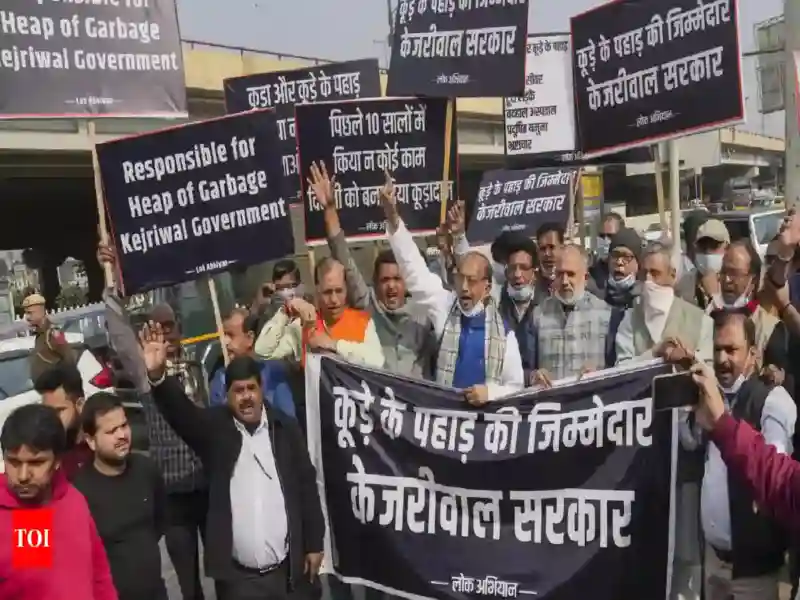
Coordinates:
759 227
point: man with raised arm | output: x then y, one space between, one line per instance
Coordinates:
331 326
477 351
404 328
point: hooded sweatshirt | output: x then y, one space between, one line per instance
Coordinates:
80 568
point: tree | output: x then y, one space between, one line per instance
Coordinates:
71 296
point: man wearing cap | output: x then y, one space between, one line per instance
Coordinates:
599 273
702 286
50 345
622 285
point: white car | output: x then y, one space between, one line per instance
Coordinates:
16 386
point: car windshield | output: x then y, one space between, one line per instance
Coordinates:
15 376
738 229
767 226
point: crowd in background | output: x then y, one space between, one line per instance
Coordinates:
228 462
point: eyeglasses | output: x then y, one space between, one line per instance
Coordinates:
625 259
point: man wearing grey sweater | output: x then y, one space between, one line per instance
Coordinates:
404 329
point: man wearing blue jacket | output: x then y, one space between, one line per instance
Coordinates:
240 330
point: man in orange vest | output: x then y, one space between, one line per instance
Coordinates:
330 327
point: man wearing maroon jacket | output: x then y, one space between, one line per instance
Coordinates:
61 388
773 478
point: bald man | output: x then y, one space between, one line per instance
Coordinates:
477 351
330 326
572 325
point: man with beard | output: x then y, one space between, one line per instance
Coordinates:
573 324
477 350
33 444
265 525
126 497
744 546
50 346
404 328
61 388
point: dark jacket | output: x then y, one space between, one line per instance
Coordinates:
213 436
758 542
523 328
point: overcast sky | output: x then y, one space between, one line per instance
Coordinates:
350 29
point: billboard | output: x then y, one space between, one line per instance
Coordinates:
770 66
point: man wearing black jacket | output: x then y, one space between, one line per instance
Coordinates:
264 527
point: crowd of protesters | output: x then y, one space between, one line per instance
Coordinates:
228 462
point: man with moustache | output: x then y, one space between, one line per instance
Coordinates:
33 444
264 525
126 497
61 388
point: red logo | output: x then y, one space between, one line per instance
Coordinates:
32 538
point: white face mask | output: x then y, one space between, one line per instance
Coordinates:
657 298
521 294
477 309
288 294
735 387
741 301
708 263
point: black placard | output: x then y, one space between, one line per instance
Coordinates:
196 200
428 499
646 70
83 59
519 201
356 141
283 89
459 48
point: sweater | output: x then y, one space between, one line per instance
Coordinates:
79 570
130 513
773 478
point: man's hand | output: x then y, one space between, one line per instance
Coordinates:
153 350
772 375
711 406
674 351
313 563
585 370
106 255
389 201
541 378
321 341
477 395
301 309
789 235
323 186
456 219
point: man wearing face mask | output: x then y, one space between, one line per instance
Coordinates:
518 297
549 242
658 316
477 350
700 287
739 281
622 286
744 546
602 267
572 325
404 328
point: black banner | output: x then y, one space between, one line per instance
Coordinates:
641 66
196 200
520 201
357 141
463 48
282 90
58 59
558 494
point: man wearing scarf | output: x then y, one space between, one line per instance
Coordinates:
622 286
404 328
477 351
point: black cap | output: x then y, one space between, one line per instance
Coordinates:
627 238
509 242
